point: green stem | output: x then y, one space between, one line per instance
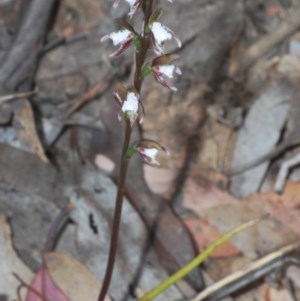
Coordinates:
196 261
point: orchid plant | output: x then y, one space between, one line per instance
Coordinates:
150 58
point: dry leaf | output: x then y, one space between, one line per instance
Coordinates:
43 288
9 264
160 180
204 235
26 130
284 207
216 140
274 294
104 163
267 236
258 136
74 279
199 194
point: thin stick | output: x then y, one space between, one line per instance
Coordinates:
13 96
24 284
90 94
254 271
56 226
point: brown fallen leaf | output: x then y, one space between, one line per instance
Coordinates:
26 130
224 212
204 234
215 146
199 194
10 263
160 180
73 278
284 207
276 294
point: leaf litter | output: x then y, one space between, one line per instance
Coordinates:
207 144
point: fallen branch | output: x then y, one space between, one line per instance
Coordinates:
20 60
267 42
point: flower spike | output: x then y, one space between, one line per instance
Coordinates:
161 34
122 37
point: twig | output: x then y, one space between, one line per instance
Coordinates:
292 141
24 284
56 227
90 94
283 172
248 275
267 42
26 43
13 96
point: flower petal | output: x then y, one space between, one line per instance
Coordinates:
134 6
149 149
160 72
122 38
149 156
131 106
161 34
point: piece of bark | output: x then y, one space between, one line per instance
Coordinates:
21 58
258 137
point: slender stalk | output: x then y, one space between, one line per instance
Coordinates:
117 215
140 58
142 51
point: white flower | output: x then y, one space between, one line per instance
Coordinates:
149 149
149 156
122 38
160 72
161 34
131 103
130 107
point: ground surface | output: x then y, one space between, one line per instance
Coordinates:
231 130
